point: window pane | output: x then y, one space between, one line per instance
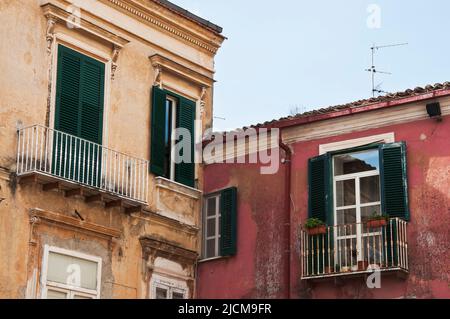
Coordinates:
54 294
370 189
345 193
212 206
167 139
367 212
177 295
346 216
161 293
72 271
211 227
210 248
356 162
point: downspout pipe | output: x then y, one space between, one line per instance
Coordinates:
287 201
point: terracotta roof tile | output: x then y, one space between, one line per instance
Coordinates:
360 103
351 105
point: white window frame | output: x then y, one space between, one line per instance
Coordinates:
170 286
217 234
172 135
356 177
70 290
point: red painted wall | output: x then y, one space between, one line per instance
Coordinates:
257 270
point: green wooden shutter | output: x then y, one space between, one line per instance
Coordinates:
92 93
320 207
79 111
91 117
68 91
68 83
228 225
185 172
394 181
158 131
319 189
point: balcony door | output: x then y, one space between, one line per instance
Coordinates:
356 178
78 117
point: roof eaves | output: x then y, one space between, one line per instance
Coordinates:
189 15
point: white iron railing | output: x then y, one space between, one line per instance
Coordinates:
61 155
352 248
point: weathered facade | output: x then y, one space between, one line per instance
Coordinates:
275 255
82 214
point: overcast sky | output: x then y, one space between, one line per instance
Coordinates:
287 54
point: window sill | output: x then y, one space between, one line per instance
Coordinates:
168 184
201 261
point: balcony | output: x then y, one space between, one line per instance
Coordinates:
355 249
61 161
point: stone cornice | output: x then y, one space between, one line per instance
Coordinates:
165 64
57 14
156 247
207 41
159 219
41 216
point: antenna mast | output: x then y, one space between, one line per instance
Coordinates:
373 70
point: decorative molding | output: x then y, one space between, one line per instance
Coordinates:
181 189
172 223
342 145
202 101
154 247
158 76
144 13
115 57
57 14
50 32
161 63
38 216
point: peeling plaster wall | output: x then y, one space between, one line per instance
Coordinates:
428 161
257 270
24 91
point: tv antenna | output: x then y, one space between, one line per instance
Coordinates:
373 70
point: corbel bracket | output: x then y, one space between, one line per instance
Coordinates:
158 75
50 32
202 100
115 57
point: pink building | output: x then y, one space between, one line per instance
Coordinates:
375 173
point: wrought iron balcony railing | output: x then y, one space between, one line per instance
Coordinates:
354 248
66 157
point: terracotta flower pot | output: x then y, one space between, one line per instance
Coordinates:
319 230
376 223
363 265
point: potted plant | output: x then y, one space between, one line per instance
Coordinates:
377 220
315 226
